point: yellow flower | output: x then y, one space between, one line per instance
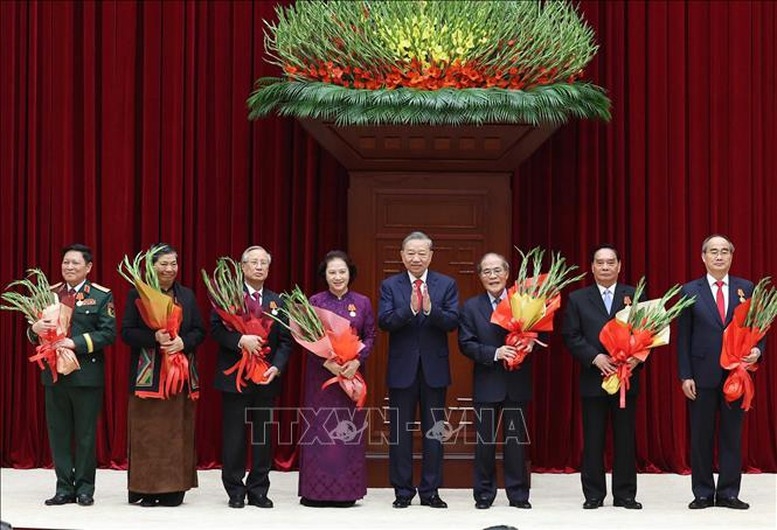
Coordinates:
526 310
611 384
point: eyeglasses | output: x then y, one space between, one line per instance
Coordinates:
725 252
497 271
256 263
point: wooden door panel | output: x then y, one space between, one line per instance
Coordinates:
466 215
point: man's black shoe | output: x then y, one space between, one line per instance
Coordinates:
260 502
592 504
60 499
526 505
629 504
700 503
434 501
402 502
733 503
84 499
236 503
483 504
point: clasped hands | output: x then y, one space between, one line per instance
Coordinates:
168 344
420 303
45 325
253 344
607 365
507 352
347 369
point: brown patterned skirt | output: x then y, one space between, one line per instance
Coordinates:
161 452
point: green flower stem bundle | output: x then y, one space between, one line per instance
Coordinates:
297 308
655 317
39 295
225 286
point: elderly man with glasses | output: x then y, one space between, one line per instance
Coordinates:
499 395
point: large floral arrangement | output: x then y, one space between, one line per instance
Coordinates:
430 62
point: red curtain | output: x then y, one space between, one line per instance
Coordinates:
690 151
124 123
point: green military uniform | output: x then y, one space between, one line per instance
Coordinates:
73 402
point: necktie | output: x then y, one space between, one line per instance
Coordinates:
607 300
417 288
496 302
258 297
720 301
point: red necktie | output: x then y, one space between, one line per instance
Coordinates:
258 298
417 286
720 301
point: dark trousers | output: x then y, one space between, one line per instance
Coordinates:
702 411
71 418
488 417
596 411
240 411
402 405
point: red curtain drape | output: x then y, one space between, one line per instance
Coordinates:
690 151
124 123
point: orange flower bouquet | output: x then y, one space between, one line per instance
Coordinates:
752 319
42 303
159 312
227 295
328 336
634 331
532 302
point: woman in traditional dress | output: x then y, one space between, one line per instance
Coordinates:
332 449
162 457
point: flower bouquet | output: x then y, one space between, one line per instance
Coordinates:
752 319
532 301
634 331
227 295
435 62
159 312
326 335
42 303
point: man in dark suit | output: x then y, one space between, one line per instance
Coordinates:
588 310
699 344
252 406
73 402
418 308
497 391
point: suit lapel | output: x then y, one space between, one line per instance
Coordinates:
617 299
485 307
431 282
705 294
404 288
733 297
595 298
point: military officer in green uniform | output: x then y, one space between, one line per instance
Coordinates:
73 402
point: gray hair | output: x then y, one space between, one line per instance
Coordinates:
710 237
479 266
244 257
417 236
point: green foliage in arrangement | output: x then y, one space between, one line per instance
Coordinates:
430 62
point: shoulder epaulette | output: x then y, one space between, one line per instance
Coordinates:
100 287
55 286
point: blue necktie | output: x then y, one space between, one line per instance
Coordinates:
607 300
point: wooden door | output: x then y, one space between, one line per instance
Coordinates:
466 215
